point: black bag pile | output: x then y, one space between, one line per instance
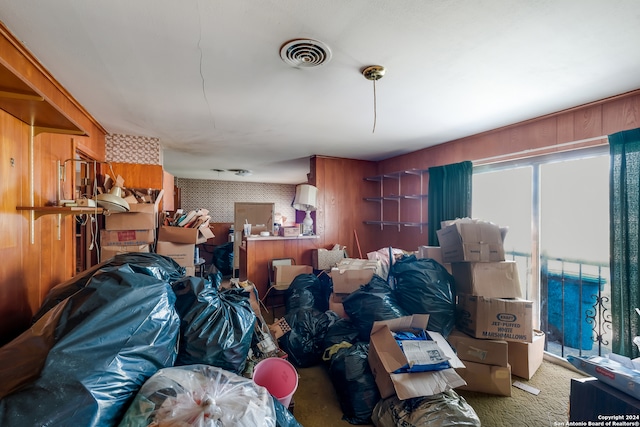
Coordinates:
83 360
305 301
423 286
372 302
217 329
350 373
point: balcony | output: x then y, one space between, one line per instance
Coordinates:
575 304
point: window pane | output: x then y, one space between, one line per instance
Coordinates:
504 198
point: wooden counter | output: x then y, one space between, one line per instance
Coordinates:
256 252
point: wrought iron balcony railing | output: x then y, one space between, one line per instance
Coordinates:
575 304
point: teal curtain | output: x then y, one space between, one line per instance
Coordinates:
624 210
449 195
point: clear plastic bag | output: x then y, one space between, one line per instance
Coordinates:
200 396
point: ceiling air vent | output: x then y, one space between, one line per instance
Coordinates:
305 53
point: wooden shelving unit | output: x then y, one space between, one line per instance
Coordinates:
395 194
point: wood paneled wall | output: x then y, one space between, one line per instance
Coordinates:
341 181
29 270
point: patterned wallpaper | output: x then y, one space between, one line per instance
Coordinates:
133 149
216 196
219 196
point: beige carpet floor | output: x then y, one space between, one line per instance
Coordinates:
316 403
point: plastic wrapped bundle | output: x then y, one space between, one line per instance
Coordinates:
446 409
200 396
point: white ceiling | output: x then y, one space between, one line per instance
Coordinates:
206 77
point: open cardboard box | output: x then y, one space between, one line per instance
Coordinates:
386 357
185 235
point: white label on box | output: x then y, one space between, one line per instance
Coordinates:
420 352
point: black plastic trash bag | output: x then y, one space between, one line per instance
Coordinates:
223 258
344 330
161 267
85 359
372 302
446 409
200 396
305 292
354 383
217 330
304 342
423 286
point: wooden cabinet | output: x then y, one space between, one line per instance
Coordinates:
137 175
402 199
256 252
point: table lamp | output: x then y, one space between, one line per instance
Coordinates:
306 200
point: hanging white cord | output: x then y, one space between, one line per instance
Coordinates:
375 114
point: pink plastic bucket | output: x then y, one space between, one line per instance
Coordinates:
278 376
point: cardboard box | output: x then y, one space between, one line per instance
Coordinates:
489 279
495 318
107 252
290 231
185 235
386 357
182 253
351 273
488 352
526 358
335 305
471 240
126 237
435 253
489 379
324 259
284 274
130 221
141 216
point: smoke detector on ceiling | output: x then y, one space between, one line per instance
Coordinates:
305 53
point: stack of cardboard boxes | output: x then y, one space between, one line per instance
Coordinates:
179 242
495 336
132 231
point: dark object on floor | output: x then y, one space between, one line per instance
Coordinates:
591 399
354 383
344 330
306 292
446 409
83 361
372 302
223 258
423 286
218 329
304 343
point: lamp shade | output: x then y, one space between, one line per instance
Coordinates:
113 201
306 198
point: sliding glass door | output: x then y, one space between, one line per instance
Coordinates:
557 210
